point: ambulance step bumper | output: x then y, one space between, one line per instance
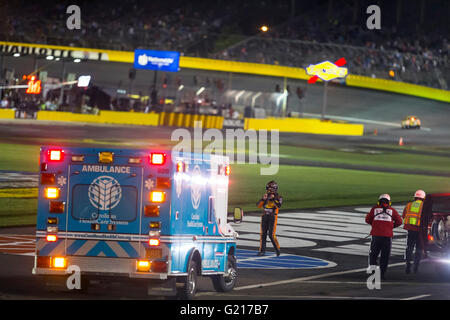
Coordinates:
103 267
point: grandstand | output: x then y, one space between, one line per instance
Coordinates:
300 33
411 47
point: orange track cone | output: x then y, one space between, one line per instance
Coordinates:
375 132
400 141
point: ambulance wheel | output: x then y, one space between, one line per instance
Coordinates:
189 288
226 282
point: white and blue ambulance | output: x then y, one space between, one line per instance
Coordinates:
153 215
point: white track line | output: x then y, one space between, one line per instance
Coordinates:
417 297
323 275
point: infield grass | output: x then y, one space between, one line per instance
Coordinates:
301 186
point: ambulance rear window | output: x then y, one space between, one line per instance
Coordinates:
117 204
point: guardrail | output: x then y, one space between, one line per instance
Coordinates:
232 66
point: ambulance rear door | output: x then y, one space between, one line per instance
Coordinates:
104 209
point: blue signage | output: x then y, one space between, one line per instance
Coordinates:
157 60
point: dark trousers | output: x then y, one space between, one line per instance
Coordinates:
268 228
414 240
383 245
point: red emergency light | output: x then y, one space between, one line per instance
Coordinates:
55 155
180 166
227 170
157 158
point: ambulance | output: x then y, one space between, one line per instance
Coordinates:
155 215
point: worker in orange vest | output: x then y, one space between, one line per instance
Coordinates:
412 214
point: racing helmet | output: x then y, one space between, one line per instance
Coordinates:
272 186
420 194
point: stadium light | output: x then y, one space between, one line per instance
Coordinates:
200 91
83 81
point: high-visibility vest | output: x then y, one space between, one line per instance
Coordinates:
413 211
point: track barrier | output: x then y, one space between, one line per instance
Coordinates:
171 119
311 126
7 113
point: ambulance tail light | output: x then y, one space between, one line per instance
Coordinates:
158 158
51 238
52 221
59 262
55 155
51 193
143 265
151 211
43 262
155 225
159 266
153 242
48 178
157 196
57 206
163 183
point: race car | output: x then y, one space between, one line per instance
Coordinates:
411 122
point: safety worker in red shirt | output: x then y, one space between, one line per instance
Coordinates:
412 214
383 219
271 203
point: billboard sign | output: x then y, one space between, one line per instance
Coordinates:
327 71
157 60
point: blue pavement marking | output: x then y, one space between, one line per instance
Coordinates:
247 259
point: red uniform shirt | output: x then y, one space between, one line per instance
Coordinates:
383 222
